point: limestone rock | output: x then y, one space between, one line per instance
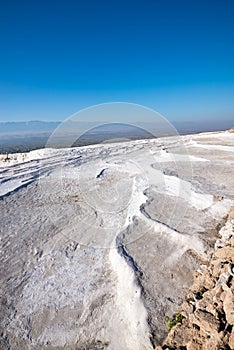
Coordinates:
228 306
231 339
209 322
206 320
225 254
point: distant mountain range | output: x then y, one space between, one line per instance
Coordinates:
185 127
27 127
48 127
25 136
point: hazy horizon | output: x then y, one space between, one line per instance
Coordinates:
26 136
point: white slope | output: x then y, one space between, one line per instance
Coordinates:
66 215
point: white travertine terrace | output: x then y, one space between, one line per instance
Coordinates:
99 243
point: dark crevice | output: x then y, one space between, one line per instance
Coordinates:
129 259
144 212
100 175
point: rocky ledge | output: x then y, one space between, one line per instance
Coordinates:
205 320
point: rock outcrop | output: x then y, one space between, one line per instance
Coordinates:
207 313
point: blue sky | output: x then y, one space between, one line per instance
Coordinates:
175 56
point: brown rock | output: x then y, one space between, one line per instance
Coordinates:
198 283
225 254
193 345
196 274
218 290
207 299
209 281
218 268
222 296
212 310
186 308
215 342
206 321
231 339
179 335
210 297
228 306
232 285
231 213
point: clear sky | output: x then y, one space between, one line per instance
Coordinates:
58 56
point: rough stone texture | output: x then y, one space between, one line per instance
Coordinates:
228 306
208 324
231 339
225 254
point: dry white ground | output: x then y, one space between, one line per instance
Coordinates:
99 244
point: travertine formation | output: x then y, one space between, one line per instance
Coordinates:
100 243
208 310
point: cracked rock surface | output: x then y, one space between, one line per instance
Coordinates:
208 309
